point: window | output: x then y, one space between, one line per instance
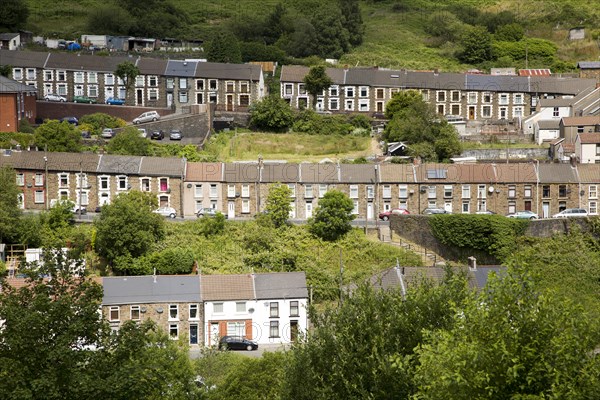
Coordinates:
182 83
20 180
403 191
546 191
294 309
512 207
455 109
163 184
527 191
92 77
198 191
292 187
121 182
174 331
441 95
334 90
274 309
334 104
503 112
218 308
425 94
481 205
441 109
465 207
512 191
503 98
244 87
481 192
153 94
288 89
78 90
245 190
48 75
173 312
598 150
355 207
593 191
193 308
370 191
555 112
363 105
349 91
274 329
213 190
145 184
114 314
517 112
448 191
472 98
593 207
240 307
78 77
170 83
379 93
236 329
18 74
245 206
212 84
63 180
82 180
562 190
229 87
39 197
486 111
244 100
93 91
308 191
363 91
63 194
518 98
61 88
109 79
39 179
455 95
432 192
354 191
387 191
230 190
349 105
322 190
135 313
487 97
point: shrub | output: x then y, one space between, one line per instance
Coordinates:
98 121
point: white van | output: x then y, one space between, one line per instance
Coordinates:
149 116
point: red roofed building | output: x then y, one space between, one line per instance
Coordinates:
535 72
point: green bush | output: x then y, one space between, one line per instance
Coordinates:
98 121
495 235
171 261
310 122
10 139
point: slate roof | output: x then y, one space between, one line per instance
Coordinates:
479 277
318 173
280 172
228 71
358 173
516 173
181 68
57 162
151 66
403 173
116 164
150 289
204 172
158 166
588 65
281 285
7 85
240 172
589 138
25 59
558 173
8 35
558 102
589 173
227 287
547 124
75 62
455 173
577 121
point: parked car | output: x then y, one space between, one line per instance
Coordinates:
486 212
237 343
143 132
115 101
148 116
86 134
396 211
166 212
76 208
523 215
175 134
54 97
208 212
571 213
71 120
431 210
107 133
157 135
83 99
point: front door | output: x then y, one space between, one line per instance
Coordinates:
104 199
527 205
214 333
369 210
293 330
471 112
193 333
448 206
231 209
139 97
169 99
545 209
309 209
229 102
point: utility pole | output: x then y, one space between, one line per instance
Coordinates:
80 187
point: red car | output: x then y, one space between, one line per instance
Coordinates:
396 211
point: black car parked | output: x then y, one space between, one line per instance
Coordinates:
157 135
237 343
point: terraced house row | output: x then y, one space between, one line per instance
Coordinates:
240 189
161 83
469 96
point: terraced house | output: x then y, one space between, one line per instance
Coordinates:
469 96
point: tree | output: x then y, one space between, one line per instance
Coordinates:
332 37
509 33
129 142
13 15
271 114
53 135
275 24
127 71
5 70
9 203
278 206
109 20
316 81
476 44
332 216
402 100
512 341
56 345
128 228
353 21
223 48
95 122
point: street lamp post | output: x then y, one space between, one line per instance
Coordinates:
46 181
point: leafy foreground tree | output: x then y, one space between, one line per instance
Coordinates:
272 114
9 204
364 348
58 136
129 142
224 48
316 81
128 228
512 341
278 206
55 345
128 72
332 216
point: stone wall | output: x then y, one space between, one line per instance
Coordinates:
57 110
513 154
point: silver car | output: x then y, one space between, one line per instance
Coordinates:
571 213
107 133
166 212
54 97
149 116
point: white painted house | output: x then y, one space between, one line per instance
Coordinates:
587 148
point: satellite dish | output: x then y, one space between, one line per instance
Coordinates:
491 189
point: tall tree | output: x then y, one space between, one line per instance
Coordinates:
353 21
127 71
128 228
332 216
275 24
271 114
9 203
13 15
402 100
332 37
476 44
316 81
58 136
224 48
278 205
129 142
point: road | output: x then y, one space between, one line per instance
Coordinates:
263 348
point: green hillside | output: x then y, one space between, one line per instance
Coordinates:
413 34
